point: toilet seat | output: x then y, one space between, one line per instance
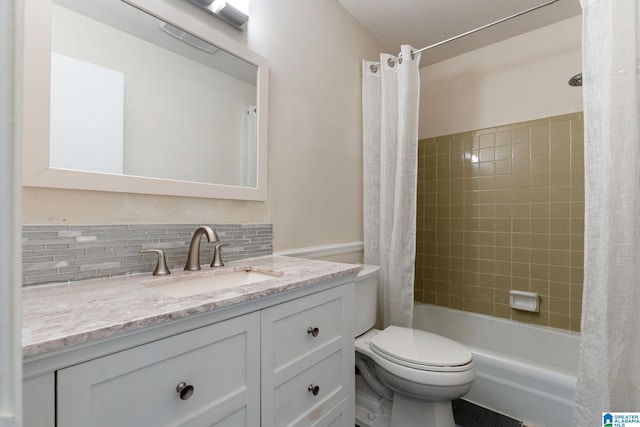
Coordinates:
420 350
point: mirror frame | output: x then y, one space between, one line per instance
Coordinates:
36 112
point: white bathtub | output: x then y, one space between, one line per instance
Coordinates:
524 371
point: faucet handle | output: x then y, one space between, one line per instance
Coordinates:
217 255
161 266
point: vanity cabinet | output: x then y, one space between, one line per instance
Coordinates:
209 376
307 360
285 360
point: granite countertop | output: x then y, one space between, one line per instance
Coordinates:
60 315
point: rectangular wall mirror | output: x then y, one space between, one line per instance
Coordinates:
141 97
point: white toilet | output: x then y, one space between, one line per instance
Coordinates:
407 377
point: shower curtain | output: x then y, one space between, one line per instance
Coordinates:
249 153
390 98
609 372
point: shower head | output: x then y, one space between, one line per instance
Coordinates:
576 80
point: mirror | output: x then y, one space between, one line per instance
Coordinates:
145 98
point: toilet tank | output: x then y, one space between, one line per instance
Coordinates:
366 298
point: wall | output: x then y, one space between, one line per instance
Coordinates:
482 208
519 79
315 186
499 209
60 253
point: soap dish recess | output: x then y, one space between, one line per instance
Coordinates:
526 301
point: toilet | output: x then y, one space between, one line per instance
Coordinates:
405 377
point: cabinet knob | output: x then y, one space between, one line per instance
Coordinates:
314 389
184 390
313 331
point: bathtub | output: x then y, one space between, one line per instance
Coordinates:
524 371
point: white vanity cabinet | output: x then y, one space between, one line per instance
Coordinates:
308 360
283 360
206 377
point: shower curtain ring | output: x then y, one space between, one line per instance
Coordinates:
391 62
373 68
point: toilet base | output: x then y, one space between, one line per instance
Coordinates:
367 418
373 410
410 412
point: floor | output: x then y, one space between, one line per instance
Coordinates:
466 414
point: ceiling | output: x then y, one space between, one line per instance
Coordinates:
422 23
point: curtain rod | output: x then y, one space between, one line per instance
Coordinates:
515 15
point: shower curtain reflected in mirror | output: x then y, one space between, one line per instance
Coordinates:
390 99
249 149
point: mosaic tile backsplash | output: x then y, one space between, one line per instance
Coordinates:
500 209
60 253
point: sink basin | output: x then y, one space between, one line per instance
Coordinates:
187 286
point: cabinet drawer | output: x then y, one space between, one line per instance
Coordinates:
137 387
289 327
296 405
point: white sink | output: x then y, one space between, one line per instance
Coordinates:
186 286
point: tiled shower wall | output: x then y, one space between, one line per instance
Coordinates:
59 253
500 209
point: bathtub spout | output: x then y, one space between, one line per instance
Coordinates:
371 380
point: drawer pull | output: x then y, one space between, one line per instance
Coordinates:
314 389
313 331
184 390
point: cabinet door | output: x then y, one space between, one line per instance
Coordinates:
307 357
38 397
139 386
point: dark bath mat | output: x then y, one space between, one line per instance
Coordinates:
466 414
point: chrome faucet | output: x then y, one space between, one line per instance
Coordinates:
193 259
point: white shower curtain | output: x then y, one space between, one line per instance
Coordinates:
609 372
390 98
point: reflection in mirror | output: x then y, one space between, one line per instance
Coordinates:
138 96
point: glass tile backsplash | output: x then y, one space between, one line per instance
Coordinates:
500 209
60 253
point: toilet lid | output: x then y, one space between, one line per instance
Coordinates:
419 349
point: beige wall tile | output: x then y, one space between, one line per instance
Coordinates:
559 321
502 209
560 290
540 164
540 147
540 132
539 256
539 286
539 179
560 145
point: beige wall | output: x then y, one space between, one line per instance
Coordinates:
315 191
519 79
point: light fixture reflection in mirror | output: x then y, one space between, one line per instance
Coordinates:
140 105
